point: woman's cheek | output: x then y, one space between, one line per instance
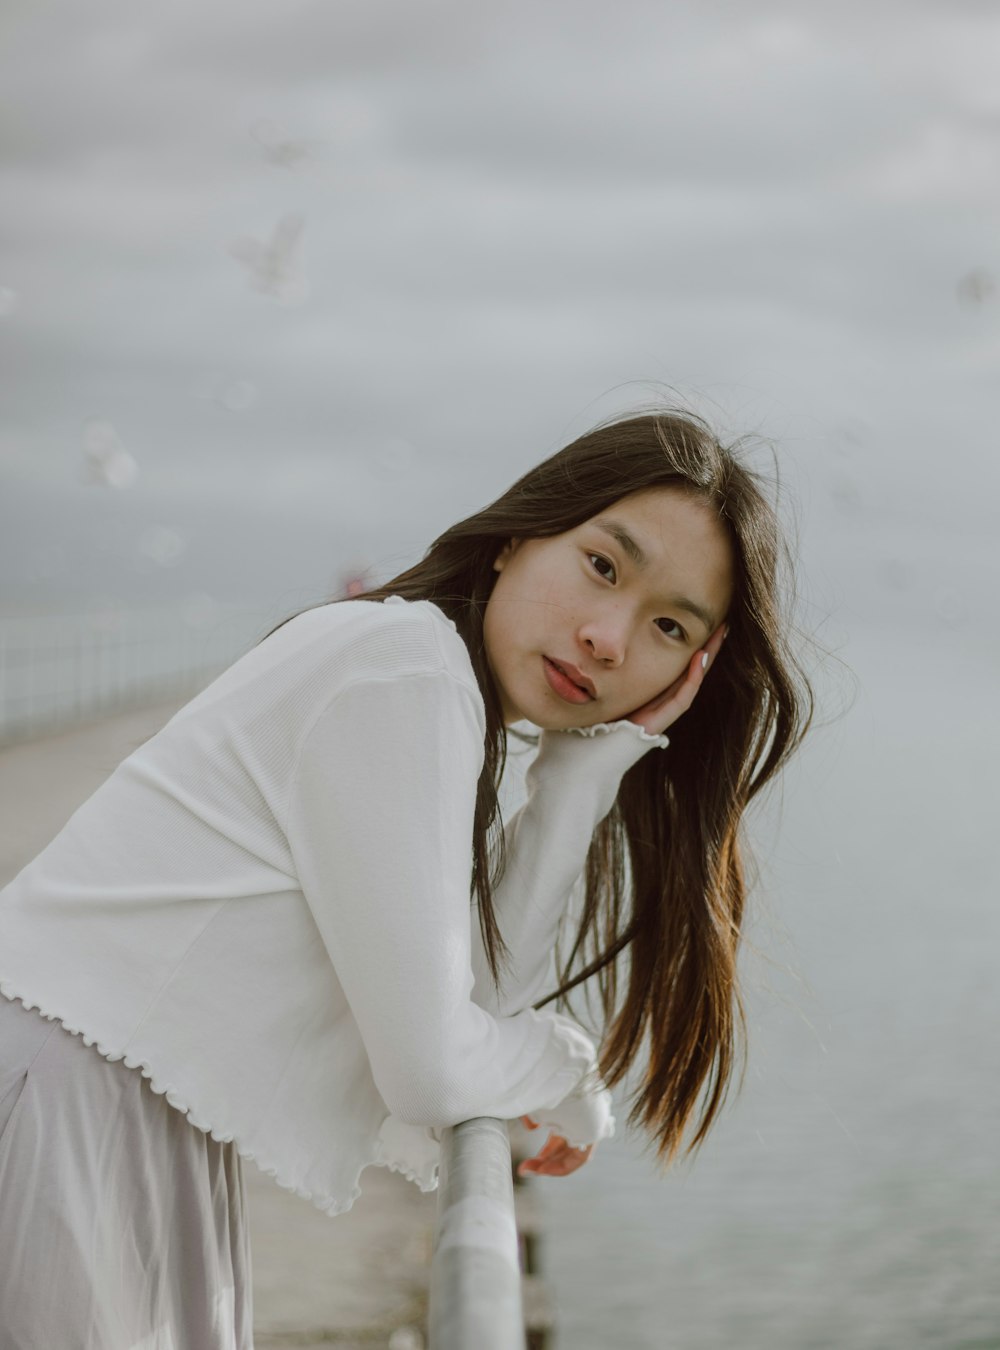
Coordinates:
659 679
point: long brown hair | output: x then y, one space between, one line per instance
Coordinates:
665 877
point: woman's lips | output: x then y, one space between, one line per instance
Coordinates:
562 684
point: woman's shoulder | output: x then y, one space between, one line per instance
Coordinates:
300 667
358 639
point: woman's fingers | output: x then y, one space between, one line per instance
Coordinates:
556 1158
558 1165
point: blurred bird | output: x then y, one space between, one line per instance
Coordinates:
162 545
391 459
278 149
275 267
976 286
107 461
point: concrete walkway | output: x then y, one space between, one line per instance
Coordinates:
357 1280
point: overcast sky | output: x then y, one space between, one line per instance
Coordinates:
496 225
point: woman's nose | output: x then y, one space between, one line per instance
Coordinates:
606 640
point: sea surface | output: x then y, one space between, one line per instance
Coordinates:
849 1199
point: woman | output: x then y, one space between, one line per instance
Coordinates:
265 909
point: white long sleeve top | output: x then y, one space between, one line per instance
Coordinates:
266 907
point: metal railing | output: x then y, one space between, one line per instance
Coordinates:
60 669
475 1281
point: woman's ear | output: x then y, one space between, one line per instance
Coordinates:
505 554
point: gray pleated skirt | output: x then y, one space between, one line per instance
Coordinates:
122 1225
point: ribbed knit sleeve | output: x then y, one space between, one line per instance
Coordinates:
379 822
571 786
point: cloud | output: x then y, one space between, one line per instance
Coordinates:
509 217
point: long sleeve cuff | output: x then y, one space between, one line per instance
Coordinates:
584 1116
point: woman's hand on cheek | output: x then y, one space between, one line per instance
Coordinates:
663 710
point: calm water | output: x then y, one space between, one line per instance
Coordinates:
851 1195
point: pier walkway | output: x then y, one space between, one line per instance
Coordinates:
359 1280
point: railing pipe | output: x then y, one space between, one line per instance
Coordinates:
475 1281
56 670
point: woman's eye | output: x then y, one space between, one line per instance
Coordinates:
609 575
671 623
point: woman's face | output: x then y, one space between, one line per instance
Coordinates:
620 603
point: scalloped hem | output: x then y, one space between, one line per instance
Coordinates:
604 727
425 1177
411 1150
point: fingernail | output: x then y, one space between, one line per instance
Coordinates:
704 660
725 632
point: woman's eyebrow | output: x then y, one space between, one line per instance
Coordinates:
620 534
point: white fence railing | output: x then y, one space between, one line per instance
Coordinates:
60 669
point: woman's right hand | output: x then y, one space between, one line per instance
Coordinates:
662 711
556 1158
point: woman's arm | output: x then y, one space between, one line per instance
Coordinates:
570 791
379 822
571 784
